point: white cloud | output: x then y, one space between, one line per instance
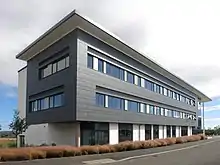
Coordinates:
212 108
212 122
182 36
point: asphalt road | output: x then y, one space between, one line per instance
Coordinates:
196 153
207 154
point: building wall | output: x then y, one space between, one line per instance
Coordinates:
61 81
90 81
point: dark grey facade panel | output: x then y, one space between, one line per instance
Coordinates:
65 78
88 80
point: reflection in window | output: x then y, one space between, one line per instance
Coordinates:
151 109
90 61
149 85
133 106
130 77
147 132
125 132
156 131
116 103
114 71
100 65
100 99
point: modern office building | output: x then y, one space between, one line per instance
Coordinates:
83 86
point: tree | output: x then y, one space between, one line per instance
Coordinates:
18 125
0 127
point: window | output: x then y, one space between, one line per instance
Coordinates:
168 131
100 99
133 106
184 131
156 131
174 95
58 100
151 109
46 71
114 71
171 94
130 77
90 61
100 65
61 65
157 89
116 103
125 132
54 67
51 101
94 133
149 85
158 110
147 132
162 111
67 61
138 81
161 90
46 103
173 131
165 91
187 101
178 97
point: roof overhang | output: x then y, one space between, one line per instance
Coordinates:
75 20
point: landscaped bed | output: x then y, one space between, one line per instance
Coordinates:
30 153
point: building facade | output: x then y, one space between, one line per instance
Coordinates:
84 86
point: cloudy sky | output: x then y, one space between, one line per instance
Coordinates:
181 35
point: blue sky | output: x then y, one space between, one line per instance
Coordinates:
183 36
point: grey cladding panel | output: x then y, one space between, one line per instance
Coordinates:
87 82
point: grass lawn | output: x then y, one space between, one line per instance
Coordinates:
7 142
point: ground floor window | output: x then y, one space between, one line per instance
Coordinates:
173 131
147 132
125 132
184 131
156 131
94 133
168 131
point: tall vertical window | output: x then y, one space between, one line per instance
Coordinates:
173 131
156 131
158 110
130 77
100 99
133 106
157 88
151 109
125 132
100 65
168 131
90 61
116 103
147 132
138 81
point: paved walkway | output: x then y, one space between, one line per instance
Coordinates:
200 148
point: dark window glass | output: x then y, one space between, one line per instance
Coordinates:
61 65
157 88
147 132
133 106
100 99
184 131
149 85
115 103
51 101
168 131
130 77
151 109
171 94
94 133
173 131
156 131
67 61
139 81
114 71
158 110
90 61
58 100
100 65
38 105
54 68
125 132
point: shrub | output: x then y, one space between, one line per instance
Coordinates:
87 150
15 155
170 141
52 152
72 151
104 149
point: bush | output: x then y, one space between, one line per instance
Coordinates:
42 152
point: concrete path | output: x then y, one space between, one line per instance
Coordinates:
195 153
